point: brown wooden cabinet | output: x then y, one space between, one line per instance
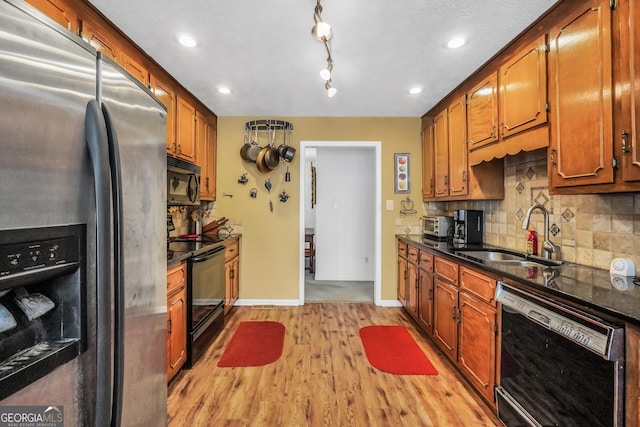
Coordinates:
232 274
477 330
445 317
167 95
482 116
518 98
59 11
185 130
580 84
425 291
441 154
135 68
206 156
176 319
402 273
428 190
101 39
412 281
458 155
632 376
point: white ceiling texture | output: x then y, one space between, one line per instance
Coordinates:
263 50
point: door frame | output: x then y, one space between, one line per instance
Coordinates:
304 188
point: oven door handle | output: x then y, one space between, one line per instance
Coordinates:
208 255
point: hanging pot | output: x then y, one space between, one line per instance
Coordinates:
244 150
271 157
254 149
260 160
286 151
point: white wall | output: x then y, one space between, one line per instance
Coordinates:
344 213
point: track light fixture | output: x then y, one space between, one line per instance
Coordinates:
321 31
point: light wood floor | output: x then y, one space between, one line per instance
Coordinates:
322 379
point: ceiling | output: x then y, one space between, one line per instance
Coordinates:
264 51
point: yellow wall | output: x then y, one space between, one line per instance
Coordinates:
270 241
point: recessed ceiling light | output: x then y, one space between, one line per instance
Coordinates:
187 40
224 90
456 43
415 90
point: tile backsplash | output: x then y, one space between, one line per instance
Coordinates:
590 229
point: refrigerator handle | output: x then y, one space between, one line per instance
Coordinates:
96 139
118 267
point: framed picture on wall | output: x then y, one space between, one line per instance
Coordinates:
402 183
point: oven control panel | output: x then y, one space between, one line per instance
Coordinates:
595 338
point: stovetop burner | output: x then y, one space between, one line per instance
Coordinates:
179 246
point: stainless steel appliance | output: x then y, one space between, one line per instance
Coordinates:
79 137
438 226
205 301
559 366
468 227
183 182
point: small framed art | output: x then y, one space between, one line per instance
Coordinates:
402 183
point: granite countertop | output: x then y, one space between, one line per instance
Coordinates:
579 285
180 249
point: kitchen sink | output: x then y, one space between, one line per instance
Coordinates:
499 256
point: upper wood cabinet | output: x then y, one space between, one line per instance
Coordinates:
100 39
59 11
165 93
580 84
523 89
440 154
185 131
458 166
135 68
428 190
627 127
208 171
500 109
482 113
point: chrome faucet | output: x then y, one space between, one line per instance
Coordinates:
548 248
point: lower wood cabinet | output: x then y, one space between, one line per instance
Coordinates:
232 274
455 305
402 273
632 378
176 318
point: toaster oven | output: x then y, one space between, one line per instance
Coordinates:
437 226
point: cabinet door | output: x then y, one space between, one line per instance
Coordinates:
176 331
235 289
412 289
482 113
441 155
445 313
186 130
201 143
425 301
580 87
458 155
136 69
208 173
477 343
57 10
523 89
165 93
629 126
402 281
232 288
427 162
100 40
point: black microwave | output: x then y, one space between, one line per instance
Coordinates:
183 182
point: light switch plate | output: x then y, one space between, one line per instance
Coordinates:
389 205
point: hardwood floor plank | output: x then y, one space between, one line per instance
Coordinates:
322 379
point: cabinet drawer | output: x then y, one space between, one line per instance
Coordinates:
426 261
232 250
176 277
478 284
446 269
413 254
402 249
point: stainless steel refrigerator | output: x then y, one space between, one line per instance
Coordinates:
82 229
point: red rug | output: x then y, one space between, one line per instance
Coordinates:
392 349
254 344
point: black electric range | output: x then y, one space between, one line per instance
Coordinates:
182 247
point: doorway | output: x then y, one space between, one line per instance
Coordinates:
347 223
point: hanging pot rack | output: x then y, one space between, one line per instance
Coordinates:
268 124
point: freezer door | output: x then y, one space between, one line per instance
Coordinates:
139 121
47 77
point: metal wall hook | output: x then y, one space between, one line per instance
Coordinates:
227 195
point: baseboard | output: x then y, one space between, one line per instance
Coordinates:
294 302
